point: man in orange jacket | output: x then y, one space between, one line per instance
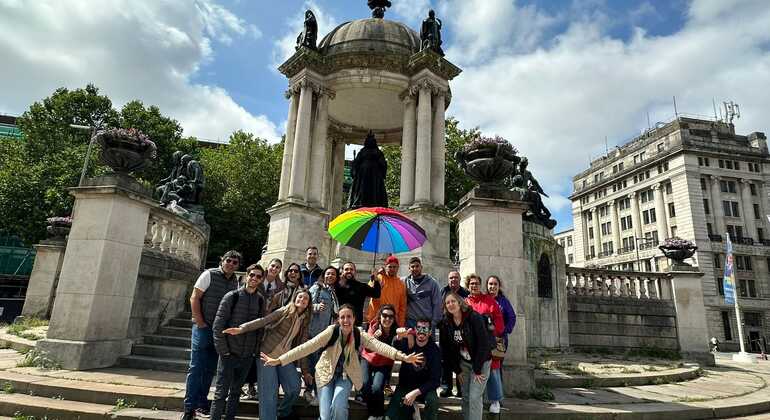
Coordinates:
392 291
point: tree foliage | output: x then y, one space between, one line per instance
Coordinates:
242 181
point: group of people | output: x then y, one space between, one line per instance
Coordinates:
274 330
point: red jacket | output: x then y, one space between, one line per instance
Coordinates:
485 304
373 358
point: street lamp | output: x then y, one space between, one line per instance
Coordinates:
644 242
88 152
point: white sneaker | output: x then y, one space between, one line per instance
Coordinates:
307 395
494 408
314 401
416 415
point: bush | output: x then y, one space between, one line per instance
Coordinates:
39 359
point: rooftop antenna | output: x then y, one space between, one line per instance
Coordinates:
606 148
714 103
648 120
732 111
676 113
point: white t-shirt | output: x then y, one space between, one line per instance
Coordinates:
204 281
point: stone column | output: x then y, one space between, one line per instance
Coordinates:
408 150
635 218
288 146
691 325
438 151
338 177
49 256
748 210
423 159
482 215
597 233
661 213
319 150
299 157
716 205
615 227
90 318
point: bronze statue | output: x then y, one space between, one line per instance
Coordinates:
185 183
532 192
378 7
168 182
309 35
430 34
368 172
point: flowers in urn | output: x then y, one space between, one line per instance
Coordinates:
678 249
58 227
125 149
488 160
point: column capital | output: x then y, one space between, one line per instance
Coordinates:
715 178
655 187
611 203
745 181
308 83
409 94
631 195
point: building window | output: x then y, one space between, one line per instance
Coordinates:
662 167
646 196
669 189
706 207
706 161
649 216
628 243
544 283
721 163
737 165
752 319
720 286
590 233
569 241
753 189
717 261
756 211
603 211
703 184
673 231
589 216
624 203
700 161
660 147
726 325
743 262
593 251
671 210
625 223
760 234
607 248
647 265
727 186
570 259
729 164
730 208
606 228
561 242
747 288
736 232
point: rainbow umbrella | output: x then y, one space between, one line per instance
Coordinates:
377 230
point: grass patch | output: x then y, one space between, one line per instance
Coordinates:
23 325
8 388
122 404
39 359
20 416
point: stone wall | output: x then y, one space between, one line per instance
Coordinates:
611 323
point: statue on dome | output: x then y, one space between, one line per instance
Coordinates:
368 172
309 35
430 34
378 7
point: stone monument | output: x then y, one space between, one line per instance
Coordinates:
365 75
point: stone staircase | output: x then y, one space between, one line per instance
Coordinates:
167 350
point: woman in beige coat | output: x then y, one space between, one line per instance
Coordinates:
338 369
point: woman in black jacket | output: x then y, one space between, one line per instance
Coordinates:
466 349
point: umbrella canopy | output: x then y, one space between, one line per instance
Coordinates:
377 229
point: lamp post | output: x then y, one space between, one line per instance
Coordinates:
644 241
88 152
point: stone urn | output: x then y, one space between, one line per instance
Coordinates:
678 249
488 161
125 150
58 228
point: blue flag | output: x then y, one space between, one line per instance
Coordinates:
728 281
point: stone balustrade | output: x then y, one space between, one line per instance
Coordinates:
618 284
173 236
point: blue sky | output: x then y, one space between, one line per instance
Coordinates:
553 77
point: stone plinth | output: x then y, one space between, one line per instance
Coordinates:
294 227
687 293
49 256
90 318
491 242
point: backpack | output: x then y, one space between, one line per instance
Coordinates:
336 335
490 330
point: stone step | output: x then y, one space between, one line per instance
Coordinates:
175 331
18 405
154 363
186 315
167 340
166 352
180 322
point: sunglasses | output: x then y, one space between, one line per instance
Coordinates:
388 316
252 275
292 270
423 330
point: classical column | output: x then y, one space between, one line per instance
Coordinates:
408 151
338 177
319 150
660 213
635 219
288 145
615 227
299 157
438 151
423 159
597 238
750 230
716 206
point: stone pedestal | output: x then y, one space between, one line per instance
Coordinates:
687 293
49 256
491 242
294 227
89 322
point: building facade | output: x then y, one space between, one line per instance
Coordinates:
691 178
567 241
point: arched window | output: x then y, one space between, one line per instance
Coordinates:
544 281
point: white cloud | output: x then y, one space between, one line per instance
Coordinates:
284 47
557 100
412 12
146 50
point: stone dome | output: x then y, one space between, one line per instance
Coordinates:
366 35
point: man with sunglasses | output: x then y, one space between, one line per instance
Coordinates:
417 382
209 289
236 352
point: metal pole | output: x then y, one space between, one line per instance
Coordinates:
636 245
737 307
88 155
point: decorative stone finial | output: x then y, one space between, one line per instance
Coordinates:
378 7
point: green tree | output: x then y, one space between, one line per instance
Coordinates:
242 180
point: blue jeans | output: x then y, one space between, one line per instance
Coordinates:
375 378
203 366
333 399
231 373
495 385
473 392
269 378
312 359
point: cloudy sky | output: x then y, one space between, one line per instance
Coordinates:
555 77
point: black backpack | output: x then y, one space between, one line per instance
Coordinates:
336 335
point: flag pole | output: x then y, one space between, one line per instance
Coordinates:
743 356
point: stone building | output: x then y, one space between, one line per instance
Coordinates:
566 239
692 178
